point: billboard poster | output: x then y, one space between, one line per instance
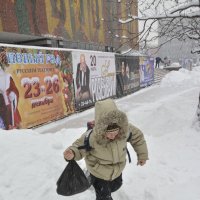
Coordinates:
128 76
36 86
146 71
94 77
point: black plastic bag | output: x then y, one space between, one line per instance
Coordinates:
72 180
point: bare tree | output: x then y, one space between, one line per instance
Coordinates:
176 19
196 122
198 109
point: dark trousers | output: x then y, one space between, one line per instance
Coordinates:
157 64
104 188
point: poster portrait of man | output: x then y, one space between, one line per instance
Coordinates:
82 79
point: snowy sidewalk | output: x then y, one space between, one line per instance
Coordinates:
31 162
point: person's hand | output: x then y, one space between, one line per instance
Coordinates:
141 162
68 154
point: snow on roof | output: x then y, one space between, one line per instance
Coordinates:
52 48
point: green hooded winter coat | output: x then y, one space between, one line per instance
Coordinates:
107 159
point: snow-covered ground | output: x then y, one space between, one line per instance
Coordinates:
32 160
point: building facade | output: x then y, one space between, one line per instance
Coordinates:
81 24
177 50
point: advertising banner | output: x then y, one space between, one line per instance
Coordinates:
128 76
146 71
36 86
94 77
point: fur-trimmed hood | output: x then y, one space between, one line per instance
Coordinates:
106 113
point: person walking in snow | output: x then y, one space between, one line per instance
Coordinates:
107 158
166 61
158 60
